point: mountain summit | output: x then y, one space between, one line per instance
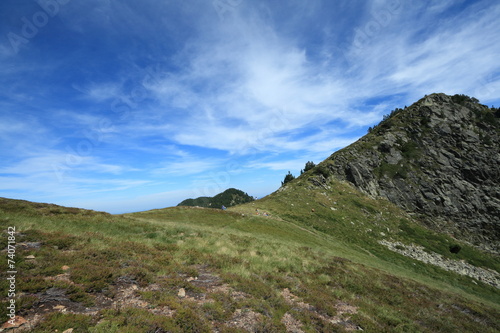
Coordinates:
228 198
438 158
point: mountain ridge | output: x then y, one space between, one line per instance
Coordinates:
438 159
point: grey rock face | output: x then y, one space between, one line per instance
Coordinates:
437 158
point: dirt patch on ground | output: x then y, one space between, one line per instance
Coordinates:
61 277
129 297
343 316
291 299
245 319
211 283
292 325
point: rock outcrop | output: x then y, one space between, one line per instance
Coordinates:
439 158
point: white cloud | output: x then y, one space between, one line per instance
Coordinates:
437 7
295 164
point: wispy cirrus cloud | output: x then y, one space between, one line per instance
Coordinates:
250 86
186 165
420 57
255 77
53 164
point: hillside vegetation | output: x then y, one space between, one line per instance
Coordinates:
186 269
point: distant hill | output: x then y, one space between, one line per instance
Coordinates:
228 198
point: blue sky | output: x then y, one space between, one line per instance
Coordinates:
128 105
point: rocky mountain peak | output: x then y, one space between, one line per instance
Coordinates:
438 158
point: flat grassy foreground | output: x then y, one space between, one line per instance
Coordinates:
281 264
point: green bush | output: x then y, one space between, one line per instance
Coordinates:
410 150
322 170
463 99
59 322
189 321
105 327
455 248
391 170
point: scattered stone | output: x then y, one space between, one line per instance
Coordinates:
17 321
30 257
181 293
65 268
60 277
30 245
54 295
59 308
458 266
69 330
126 280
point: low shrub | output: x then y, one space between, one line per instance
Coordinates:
455 248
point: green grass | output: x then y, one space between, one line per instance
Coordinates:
324 257
358 223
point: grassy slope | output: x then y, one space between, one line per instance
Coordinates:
327 258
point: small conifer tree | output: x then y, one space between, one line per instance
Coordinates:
309 166
288 178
